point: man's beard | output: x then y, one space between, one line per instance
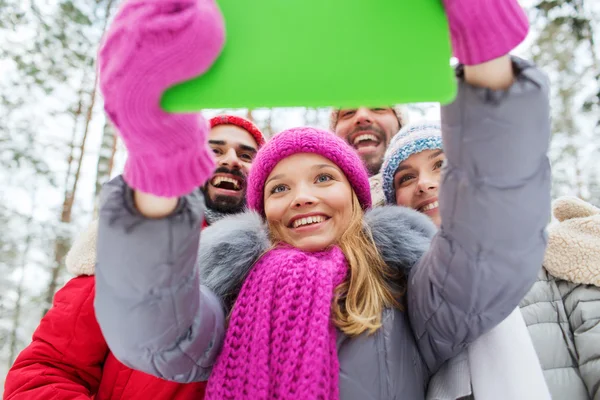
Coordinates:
373 167
226 204
374 162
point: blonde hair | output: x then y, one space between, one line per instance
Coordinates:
359 301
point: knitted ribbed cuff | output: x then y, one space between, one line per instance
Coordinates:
482 30
170 175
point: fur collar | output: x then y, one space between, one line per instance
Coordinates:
230 247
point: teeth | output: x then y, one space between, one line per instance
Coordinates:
220 179
430 206
308 220
367 136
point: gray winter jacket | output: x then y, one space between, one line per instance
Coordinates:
158 316
563 319
563 316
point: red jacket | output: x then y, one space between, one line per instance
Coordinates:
68 358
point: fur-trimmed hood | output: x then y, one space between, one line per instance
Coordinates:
573 252
81 258
230 247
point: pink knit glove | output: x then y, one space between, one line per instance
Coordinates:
482 30
151 45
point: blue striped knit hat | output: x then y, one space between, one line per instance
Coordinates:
410 140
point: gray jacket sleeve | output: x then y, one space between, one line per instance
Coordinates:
494 204
582 304
153 312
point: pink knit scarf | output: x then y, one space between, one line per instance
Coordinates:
280 341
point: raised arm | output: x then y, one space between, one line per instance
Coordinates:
154 314
151 308
494 204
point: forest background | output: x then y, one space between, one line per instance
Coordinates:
57 147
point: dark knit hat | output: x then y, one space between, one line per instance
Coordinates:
243 123
306 140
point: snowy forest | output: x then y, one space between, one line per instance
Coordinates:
57 148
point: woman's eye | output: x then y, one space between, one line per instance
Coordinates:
405 179
438 164
324 178
278 189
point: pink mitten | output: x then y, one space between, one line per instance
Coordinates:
482 30
151 45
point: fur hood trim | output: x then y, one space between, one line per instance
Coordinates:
81 258
230 247
573 252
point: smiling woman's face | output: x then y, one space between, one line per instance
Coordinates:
417 180
308 198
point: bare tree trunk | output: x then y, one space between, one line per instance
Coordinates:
16 323
62 243
249 115
106 156
76 115
113 154
268 131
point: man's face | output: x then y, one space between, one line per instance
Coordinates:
234 150
369 131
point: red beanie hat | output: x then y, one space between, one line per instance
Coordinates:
243 123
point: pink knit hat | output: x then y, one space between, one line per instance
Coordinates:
240 122
306 140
